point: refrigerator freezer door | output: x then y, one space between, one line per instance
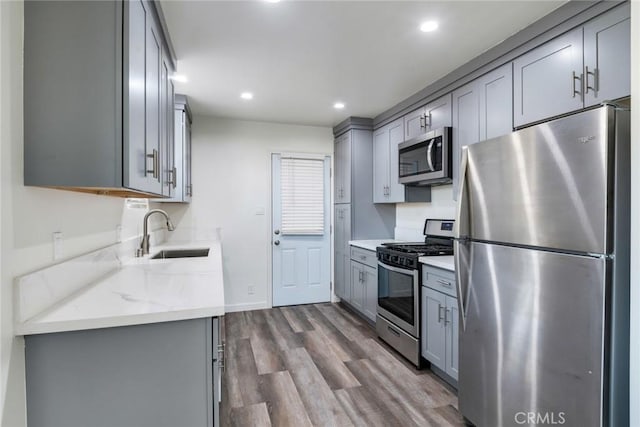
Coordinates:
544 186
533 339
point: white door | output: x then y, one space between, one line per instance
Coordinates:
300 234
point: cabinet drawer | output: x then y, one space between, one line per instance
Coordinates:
439 279
364 256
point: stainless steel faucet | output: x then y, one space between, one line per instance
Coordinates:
144 244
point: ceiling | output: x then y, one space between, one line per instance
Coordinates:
300 57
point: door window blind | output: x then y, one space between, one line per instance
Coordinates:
302 190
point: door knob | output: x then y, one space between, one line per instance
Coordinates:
276 242
276 232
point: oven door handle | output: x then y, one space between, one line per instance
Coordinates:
410 272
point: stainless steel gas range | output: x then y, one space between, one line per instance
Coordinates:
398 317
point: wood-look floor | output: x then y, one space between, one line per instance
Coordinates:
320 365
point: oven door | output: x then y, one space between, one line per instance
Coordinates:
398 297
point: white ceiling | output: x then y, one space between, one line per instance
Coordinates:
299 57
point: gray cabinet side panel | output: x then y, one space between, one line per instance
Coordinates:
72 109
146 375
369 220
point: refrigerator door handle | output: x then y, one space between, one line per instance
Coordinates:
461 225
460 287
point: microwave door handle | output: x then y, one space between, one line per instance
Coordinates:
430 155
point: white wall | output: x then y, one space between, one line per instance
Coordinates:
410 216
635 211
232 185
29 216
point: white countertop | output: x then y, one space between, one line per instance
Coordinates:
372 244
140 291
441 261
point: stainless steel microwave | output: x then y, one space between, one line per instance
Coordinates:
426 159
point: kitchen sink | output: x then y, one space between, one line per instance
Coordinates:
181 253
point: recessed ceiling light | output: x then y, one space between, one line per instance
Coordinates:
338 105
246 95
180 78
428 26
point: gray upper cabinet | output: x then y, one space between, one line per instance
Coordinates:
106 132
547 81
179 164
553 79
482 109
434 115
342 178
386 188
607 62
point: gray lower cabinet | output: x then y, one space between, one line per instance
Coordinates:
160 374
180 174
364 282
583 67
342 234
439 320
482 109
108 65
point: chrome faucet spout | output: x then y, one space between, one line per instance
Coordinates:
144 244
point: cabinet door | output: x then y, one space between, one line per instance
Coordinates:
433 327
413 124
357 286
135 151
543 79
338 234
396 190
438 113
451 321
466 124
495 91
607 56
187 188
370 275
343 168
153 116
380 165
166 139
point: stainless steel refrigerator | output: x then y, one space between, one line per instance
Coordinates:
542 264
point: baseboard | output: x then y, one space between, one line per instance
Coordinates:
230 308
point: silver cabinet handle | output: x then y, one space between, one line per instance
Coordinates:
171 182
596 80
574 77
276 242
175 177
444 282
427 116
446 317
423 122
440 313
360 277
155 159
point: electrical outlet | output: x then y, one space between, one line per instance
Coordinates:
57 245
118 233
252 289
